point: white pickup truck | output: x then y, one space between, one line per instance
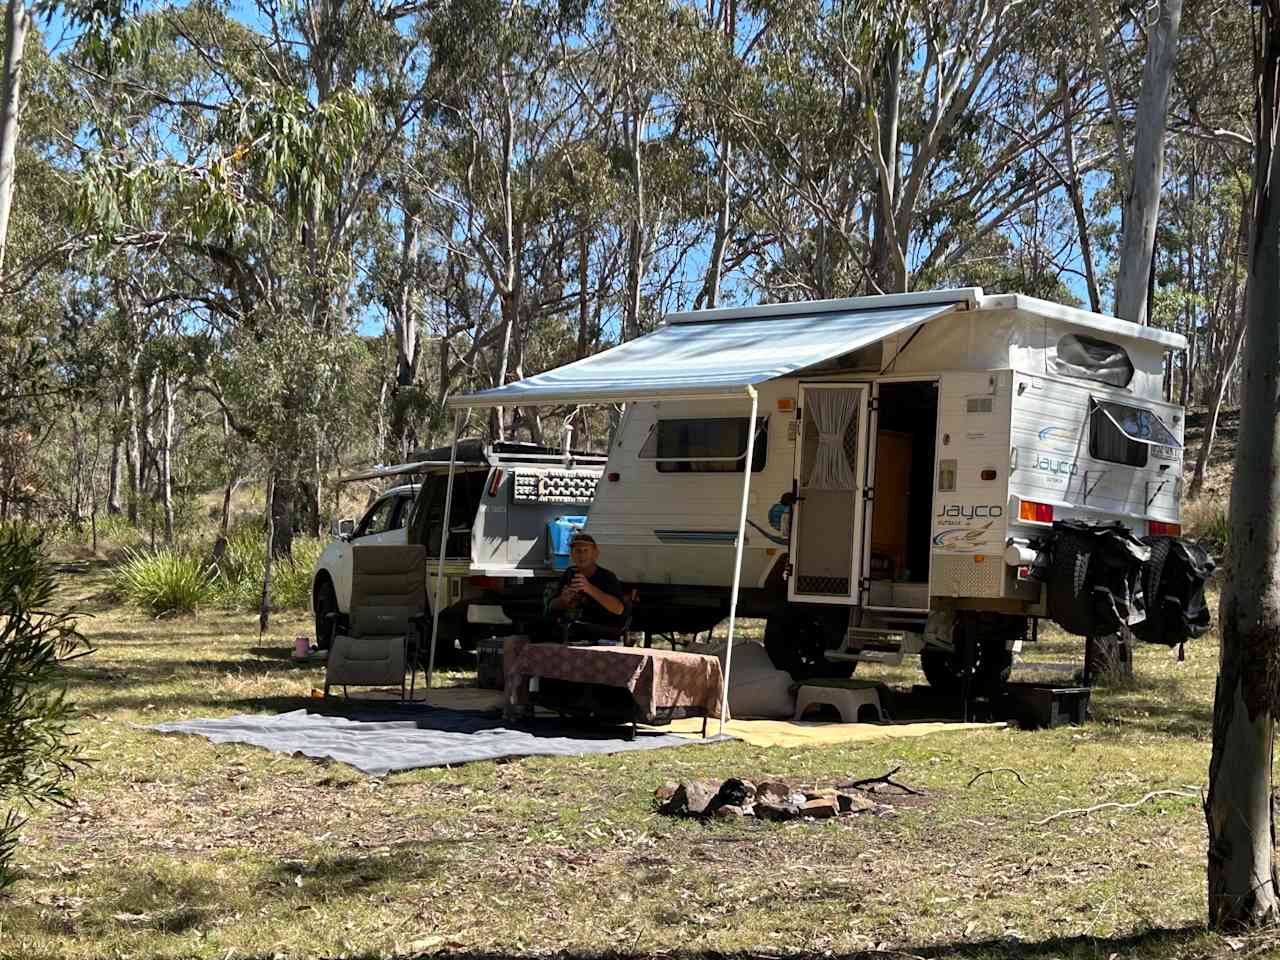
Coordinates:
498 556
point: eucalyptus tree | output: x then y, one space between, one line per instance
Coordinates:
248 156
1243 887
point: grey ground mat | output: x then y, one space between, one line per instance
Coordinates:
378 741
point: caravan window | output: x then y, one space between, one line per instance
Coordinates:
1120 433
714 445
1091 359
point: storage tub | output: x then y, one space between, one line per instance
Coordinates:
560 532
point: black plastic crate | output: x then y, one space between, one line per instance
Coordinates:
1036 705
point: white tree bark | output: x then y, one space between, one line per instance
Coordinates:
166 458
1243 887
17 22
1142 204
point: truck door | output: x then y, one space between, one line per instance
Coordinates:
826 529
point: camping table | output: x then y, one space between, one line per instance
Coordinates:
664 685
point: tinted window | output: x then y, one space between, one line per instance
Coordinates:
375 521
716 445
468 488
404 506
1091 359
1107 442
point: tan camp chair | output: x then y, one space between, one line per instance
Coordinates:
388 619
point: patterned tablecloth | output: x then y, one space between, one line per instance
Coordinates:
659 681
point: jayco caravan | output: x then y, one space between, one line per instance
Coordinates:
879 476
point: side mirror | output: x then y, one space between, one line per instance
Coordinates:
344 528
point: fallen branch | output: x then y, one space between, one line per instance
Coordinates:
886 779
1085 811
994 771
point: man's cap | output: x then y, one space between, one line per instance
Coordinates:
582 538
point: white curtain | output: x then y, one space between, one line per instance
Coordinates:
832 410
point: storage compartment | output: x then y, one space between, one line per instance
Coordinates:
560 533
489 666
1035 705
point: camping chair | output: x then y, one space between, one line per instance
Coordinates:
388 619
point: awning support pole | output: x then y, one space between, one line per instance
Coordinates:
458 420
737 560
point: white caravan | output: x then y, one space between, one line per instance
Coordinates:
930 473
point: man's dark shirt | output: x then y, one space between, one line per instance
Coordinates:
586 608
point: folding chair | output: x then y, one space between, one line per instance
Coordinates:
387 620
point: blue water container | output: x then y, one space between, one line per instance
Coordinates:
559 532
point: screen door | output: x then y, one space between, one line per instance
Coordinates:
827 516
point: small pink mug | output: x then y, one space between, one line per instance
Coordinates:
301 646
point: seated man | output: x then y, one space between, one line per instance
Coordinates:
588 594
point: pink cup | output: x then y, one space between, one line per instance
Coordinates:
301 646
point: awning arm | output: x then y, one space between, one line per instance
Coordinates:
737 559
458 420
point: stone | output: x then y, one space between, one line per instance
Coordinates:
730 811
779 812
666 791
852 803
818 793
821 808
773 791
699 795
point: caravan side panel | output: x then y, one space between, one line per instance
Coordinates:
971 500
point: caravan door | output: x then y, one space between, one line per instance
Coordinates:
826 528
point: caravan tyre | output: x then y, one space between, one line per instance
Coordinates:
944 669
797 639
1068 598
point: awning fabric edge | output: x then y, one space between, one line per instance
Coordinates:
850 331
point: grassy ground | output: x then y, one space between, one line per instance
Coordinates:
179 848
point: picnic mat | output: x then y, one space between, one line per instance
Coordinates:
788 733
379 741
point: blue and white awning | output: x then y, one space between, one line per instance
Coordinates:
694 358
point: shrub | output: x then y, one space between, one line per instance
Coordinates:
239 584
1206 520
37 753
164 581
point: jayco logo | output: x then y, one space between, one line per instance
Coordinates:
1055 433
964 511
1049 465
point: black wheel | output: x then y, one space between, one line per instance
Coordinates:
328 619
992 661
1173 590
797 639
1070 605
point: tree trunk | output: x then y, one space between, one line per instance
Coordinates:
17 22
1073 187
406 331
1211 428
166 459
883 236
1142 205
264 603
281 519
584 296
113 481
1243 888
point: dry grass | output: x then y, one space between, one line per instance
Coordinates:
180 848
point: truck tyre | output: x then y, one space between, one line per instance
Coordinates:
797 640
329 620
993 661
1069 602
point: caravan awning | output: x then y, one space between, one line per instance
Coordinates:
709 358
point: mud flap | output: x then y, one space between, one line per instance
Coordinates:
1174 581
1094 577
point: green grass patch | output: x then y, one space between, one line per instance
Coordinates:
177 847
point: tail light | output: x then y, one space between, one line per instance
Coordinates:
1036 512
485 583
495 482
1158 528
